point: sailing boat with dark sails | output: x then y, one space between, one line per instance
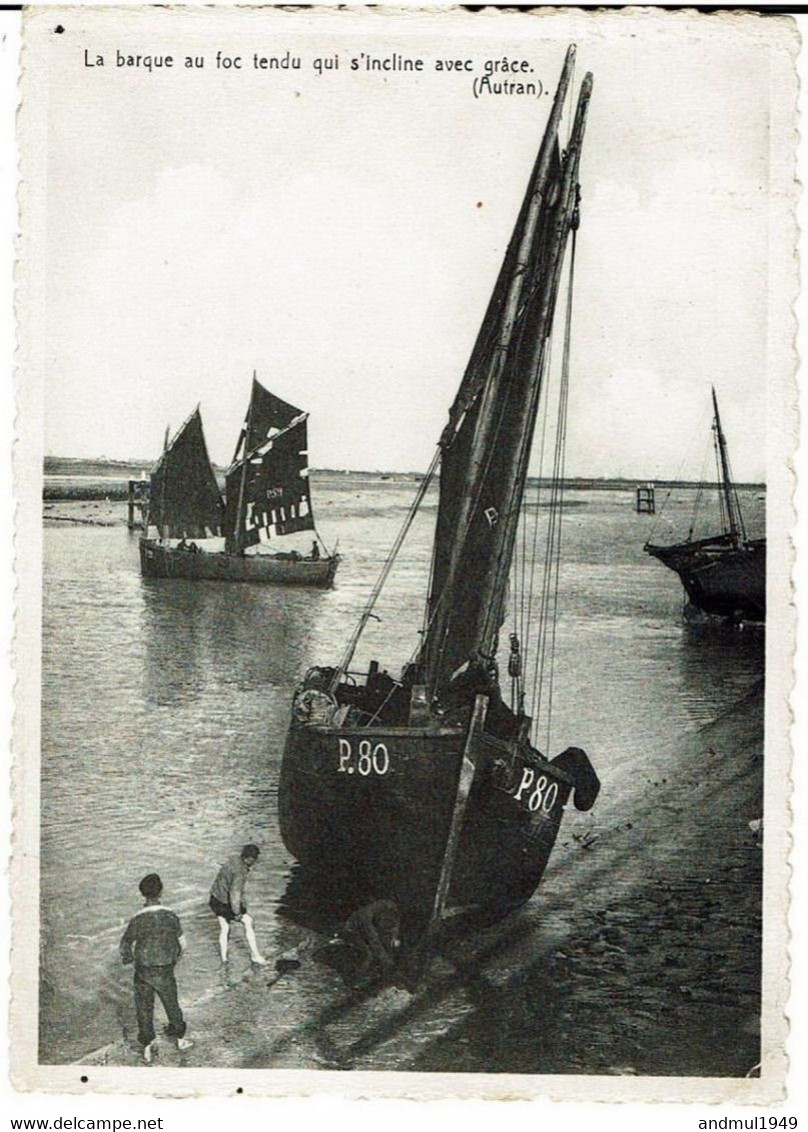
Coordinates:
427 790
724 576
267 496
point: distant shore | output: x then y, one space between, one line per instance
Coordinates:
108 480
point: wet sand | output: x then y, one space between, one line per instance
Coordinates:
639 954
86 512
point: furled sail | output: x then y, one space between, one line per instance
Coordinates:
486 445
184 497
457 471
267 487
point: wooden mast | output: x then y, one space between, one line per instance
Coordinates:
486 423
235 547
537 331
734 518
163 488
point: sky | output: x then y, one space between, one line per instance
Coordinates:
339 233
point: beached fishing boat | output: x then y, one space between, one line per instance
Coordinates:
267 495
428 789
723 575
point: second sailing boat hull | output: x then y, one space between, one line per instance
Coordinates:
160 561
720 579
370 813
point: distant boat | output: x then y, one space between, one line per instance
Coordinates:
267 496
724 575
427 790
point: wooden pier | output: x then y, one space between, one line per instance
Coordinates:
645 500
137 498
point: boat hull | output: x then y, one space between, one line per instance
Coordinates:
159 561
719 579
368 812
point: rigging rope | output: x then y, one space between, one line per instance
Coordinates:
726 518
544 657
523 602
559 510
526 609
534 550
386 568
323 543
699 493
738 513
691 452
492 453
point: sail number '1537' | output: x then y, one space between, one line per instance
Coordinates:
369 758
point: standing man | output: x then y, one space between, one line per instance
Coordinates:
229 904
153 941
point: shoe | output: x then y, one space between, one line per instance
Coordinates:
284 966
259 960
184 1043
148 1053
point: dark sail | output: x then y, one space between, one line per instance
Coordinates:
456 470
268 493
266 414
486 446
184 498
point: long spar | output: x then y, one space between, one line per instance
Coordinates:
734 518
247 423
492 597
367 613
162 488
486 422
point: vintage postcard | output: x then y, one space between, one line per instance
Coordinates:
404 479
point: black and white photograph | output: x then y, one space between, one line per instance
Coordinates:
406 414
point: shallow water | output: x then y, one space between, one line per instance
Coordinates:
165 706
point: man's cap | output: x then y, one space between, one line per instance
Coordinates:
151 886
251 851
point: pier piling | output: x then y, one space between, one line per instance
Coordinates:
645 500
137 497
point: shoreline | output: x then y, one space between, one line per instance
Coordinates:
97 488
639 954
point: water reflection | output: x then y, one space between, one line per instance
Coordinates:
717 664
199 635
166 704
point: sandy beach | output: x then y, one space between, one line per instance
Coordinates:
638 954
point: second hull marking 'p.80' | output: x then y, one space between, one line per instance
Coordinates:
536 793
370 758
